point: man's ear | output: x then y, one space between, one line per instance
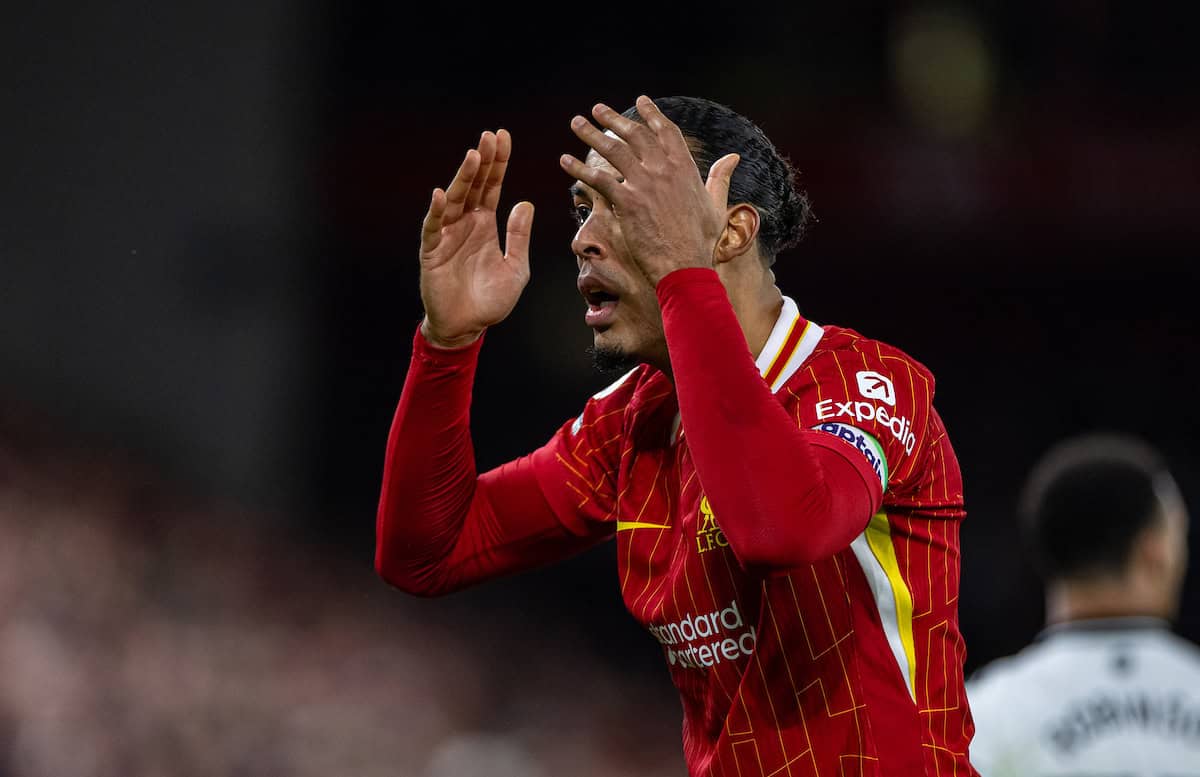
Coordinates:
1151 551
740 234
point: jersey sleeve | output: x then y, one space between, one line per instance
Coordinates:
439 526
788 496
874 401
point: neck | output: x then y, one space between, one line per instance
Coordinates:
1103 598
755 298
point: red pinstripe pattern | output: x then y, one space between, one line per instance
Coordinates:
820 693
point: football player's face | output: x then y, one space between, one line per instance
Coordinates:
622 308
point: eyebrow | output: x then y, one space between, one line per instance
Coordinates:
577 190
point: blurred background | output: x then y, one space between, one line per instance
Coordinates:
208 290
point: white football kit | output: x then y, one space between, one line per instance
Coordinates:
1117 697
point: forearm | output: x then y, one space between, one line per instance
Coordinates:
440 527
783 495
429 468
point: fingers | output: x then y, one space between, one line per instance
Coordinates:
431 227
520 227
495 178
616 151
653 116
601 180
460 187
636 134
665 130
487 156
719 177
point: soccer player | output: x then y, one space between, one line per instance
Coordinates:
1106 689
784 498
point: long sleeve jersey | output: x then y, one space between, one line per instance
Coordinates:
787 531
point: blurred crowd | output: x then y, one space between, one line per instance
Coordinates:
140 636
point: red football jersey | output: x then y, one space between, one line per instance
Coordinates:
821 669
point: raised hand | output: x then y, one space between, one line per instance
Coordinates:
670 218
467 282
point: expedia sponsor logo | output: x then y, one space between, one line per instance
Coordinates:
867 445
863 412
705 640
708 534
874 385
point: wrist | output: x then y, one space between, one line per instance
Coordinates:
659 273
448 342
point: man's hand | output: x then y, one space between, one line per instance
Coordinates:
670 218
467 282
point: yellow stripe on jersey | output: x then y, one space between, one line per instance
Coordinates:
877 557
793 339
787 345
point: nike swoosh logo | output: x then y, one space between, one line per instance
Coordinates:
627 525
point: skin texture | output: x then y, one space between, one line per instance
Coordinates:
1150 584
467 282
644 211
670 219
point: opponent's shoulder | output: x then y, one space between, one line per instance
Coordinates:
1014 676
1007 708
999 671
1178 653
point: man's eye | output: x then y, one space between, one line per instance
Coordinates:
580 213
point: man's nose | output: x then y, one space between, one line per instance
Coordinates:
587 244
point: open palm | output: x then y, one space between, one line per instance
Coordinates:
468 282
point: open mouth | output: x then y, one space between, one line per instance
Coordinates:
601 304
598 298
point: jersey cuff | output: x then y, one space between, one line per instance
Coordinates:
687 276
840 447
430 354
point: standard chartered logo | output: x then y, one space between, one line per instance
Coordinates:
704 640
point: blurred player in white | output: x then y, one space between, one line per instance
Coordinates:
1106 690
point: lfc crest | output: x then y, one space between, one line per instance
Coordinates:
708 533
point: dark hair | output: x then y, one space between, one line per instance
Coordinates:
1086 501
763 178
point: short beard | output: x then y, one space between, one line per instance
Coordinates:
612 360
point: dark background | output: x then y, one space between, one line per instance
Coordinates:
211 214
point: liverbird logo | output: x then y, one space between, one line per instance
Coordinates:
708 533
